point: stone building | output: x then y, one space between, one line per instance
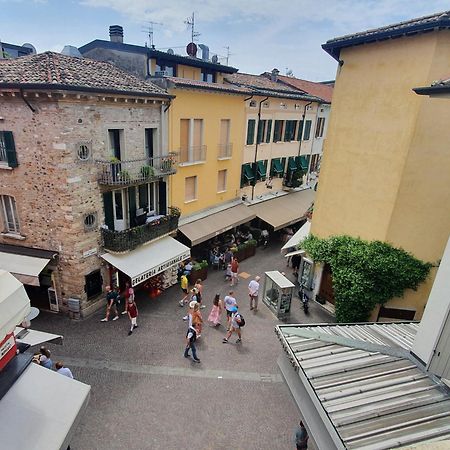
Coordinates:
84 167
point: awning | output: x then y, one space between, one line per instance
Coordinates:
25 268
303 163
277 167
261 169
35 337
248 172
298 236
286 210
292 164
14 303
41 410
206 228
149 260
296 252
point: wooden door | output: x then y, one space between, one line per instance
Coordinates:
326 285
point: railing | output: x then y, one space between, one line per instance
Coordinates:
123 241
225 150
196 153
120 173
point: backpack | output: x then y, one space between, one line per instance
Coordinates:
194 334
241 322
117 299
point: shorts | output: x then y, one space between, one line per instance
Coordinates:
229 313
234 274
134 321
184 290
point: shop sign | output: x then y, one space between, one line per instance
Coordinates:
158 269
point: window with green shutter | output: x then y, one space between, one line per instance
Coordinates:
300 130
268 131
8 149
278 130
289 134
261 131
251 131
307 133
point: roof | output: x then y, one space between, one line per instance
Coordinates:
152 53
51 70
203 85
367 385
409 27
324 91
262 85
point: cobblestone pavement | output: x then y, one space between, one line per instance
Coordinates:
146 395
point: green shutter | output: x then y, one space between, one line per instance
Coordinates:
261 170
268 131
132 205
261 129
251 131
307 133
10 149
300 130
108 208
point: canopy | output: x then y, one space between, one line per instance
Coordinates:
206 228
303 163
298 236
35 337
277 166
149 260
25 268
261 169
284 210
14 303
292 164
296 252
248 172
41 410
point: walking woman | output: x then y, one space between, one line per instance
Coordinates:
197 320
216 311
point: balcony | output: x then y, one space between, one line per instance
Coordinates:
123 241
145 170
224 151
192 155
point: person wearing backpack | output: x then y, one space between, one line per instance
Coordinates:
191 337
237 322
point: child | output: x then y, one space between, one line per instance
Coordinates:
132 314
228 273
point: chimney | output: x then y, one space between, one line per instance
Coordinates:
205 52
116 33
274 74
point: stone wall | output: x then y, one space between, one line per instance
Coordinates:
54 189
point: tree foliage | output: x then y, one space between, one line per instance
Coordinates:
365 273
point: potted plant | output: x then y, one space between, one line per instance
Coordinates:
199 270
124 176
251 247
147 172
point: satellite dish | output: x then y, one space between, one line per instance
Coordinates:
215 59
191 49
31 46
170 51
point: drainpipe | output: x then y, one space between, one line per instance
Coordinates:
304 123
26 101
312 143
257 143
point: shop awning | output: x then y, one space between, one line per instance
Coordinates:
248 172
298 236
286 210
25 268
206 228
149 260
303 163
261 169
292 164
41 410
296 252
277 167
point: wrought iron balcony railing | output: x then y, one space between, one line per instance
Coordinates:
123 173
125 240
193 154
225 150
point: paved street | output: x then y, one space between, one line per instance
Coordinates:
146 395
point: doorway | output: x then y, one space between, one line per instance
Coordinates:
150 134
119 209
326 291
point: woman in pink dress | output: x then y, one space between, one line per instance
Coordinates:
216 311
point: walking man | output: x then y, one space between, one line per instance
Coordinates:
301 437
236 323
234 271
191 337
230 303
253 293
132 314
112 298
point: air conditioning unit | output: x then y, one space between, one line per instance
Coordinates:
161 73
53 299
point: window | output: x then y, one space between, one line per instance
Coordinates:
314 162
90 221
222 181
84 151
8 149
247 175
190 189
147 200
278 130
9 212
320 126
300 130
208 76
252 104
224 146
251 131
93 284
266 105
165 68
261 131
116 143
268 131
307 132
191 141
276 168
289 134
261 170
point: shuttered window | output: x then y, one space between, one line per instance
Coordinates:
8 149
190 189
300 130
307 133
261 131
289 134
268 131
222 181
9 213
278 130
184 140
250 131
320 126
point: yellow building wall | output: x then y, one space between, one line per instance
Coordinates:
385 169
211 107
192 73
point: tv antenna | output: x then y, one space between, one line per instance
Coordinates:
228 54
149 31
190 22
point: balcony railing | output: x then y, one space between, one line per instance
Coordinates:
225 150
123 241
194 154
122 173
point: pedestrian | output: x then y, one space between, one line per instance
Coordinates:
112 299
127 293
253 293
63 370
234 271
301 437
197 319
43 358
237 321
191 337
216 311
228 273
195 297
296 260
199 286
230 302
184 283
132 314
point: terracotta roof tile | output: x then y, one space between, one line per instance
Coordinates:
323 91
185 82
65 72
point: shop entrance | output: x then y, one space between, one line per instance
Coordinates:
326 291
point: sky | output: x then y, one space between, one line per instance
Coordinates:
261 34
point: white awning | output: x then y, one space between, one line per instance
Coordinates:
35 337
149 260
25 268
41 410
299 236
14 303
297 252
